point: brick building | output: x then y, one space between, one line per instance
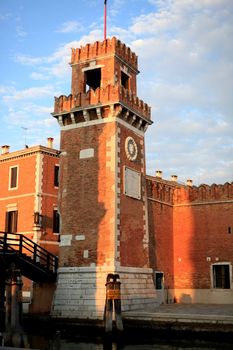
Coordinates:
28 196
191 240
169 242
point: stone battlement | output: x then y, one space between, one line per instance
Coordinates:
109 94
106 47
173 194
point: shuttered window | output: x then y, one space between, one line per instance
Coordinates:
11 221
56 175
221 276
56 221
13 181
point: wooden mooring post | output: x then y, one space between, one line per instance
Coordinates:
113 303
14 334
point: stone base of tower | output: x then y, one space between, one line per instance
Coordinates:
81 291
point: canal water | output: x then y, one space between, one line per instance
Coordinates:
77 342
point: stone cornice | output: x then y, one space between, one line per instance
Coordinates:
27 152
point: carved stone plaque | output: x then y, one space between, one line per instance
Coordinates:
65 240
132 183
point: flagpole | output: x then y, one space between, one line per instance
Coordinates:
105 19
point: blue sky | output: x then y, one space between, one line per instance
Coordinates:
186 62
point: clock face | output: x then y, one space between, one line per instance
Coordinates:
131 148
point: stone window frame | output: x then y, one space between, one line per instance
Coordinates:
212 277
161 286
10 178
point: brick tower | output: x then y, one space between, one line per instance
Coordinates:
102 198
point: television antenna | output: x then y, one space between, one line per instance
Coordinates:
25 135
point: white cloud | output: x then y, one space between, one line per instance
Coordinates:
5 16
20 32
28 60
57 64
187 77
115 7
38 76
28 94
71 27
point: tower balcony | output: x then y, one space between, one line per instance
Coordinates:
111 94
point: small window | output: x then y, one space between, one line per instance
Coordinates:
11 221
125 80
230 230
93 78
56 175
221 276
159 280
56 221
13 180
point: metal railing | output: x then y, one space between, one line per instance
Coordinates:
16 243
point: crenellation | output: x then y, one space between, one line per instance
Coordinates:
106 47
159 189
104 95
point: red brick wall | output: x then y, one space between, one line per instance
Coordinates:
188 226
132 218
201 231
86 195
160 233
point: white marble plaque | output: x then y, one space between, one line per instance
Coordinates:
80 238
86 153
132 184
65 240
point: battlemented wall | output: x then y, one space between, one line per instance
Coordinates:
194 225
107 47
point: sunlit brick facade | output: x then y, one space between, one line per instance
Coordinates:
191 240
28 196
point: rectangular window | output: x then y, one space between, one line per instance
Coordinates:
11 221
125 80
56 221
93 78
221 276
13 177
230 229
56 175
158 280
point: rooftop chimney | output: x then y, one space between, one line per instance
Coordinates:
174 178
159 174
189 182
50 142
5 149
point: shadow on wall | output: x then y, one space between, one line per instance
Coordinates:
202 243
161 251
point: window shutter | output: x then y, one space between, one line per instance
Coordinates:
56 176
15 221
56 222
7 222
14 177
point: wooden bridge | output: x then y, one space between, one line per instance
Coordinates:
20 256
35 262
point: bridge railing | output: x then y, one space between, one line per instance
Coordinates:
23 246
